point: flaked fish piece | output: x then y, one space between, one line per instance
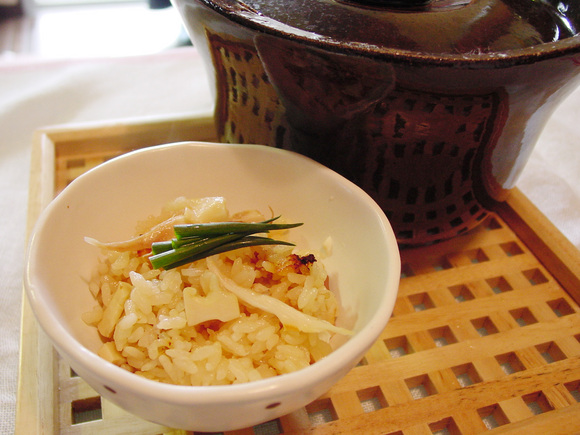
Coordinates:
248 216
160 232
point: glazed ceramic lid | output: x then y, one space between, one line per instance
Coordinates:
444 27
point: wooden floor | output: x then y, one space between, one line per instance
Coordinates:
74 32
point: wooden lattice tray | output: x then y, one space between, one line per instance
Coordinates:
485 334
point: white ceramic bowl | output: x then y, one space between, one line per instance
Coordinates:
106 203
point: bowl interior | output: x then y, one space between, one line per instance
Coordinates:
107 202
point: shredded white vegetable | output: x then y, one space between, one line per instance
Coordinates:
288 315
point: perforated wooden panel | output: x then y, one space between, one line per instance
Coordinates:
485 334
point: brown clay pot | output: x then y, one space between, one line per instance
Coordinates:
432 108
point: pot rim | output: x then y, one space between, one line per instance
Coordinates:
501 59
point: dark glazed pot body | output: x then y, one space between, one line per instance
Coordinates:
433 126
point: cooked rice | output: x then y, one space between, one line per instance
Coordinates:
143 313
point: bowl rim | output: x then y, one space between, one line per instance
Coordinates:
254 390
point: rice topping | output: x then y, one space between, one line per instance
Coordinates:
238 316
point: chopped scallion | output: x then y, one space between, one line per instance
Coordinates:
193 242
159 247
220 228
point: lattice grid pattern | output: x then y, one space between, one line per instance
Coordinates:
482 337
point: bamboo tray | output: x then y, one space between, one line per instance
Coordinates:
484 338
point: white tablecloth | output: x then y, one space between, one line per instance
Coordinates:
36 93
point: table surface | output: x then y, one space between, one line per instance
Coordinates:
36 93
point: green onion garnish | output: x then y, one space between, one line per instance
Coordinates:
193 242
220 228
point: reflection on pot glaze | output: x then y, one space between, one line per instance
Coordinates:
440 27
325 95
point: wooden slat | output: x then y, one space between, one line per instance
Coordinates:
553 250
